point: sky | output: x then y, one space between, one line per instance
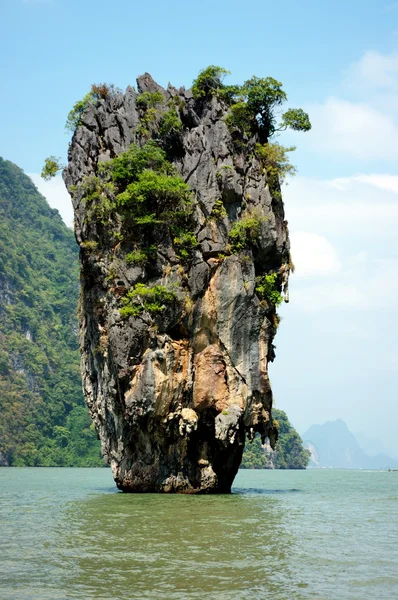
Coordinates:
337 351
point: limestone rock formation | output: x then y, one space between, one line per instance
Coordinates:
174 388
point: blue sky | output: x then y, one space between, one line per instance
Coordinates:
54 49
337 353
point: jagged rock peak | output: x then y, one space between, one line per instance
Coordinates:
184 254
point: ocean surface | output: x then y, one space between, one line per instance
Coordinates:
320 534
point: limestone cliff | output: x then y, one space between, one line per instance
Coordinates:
175 331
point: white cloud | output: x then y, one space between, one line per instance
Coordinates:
372 285
343 234
363 124
56 195
313 255
359 207
354 129
384 182
339 335
324 296
375 70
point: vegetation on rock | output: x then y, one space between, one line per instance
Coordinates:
156 226
142 187
267 289
139 257
253 111
273 158
149 99
245 231
145 298
289 452
99 91
218 211
52 166
209 81
254 105
170 124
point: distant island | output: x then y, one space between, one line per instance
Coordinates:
289 451
334 445
44 421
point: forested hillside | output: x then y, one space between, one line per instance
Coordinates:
289 452
43 418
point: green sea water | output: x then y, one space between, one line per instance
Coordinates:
319 534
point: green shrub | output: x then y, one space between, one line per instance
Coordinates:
89 245
209 81
145 298
144 188
230 93
273 158
149 99
51 167
143 131
239 118
155 191
137 257
296 119
255 105
267 289
218 212
141 256
170 124
184 243
264 96
149 219
147 102
146 120
245 232
126 167
130 311
99 91
99 198
75 114
94 187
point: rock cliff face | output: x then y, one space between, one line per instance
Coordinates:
173 390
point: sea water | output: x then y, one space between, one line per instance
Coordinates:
319 534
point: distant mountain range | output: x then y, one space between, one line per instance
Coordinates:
333 445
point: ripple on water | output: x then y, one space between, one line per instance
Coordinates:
282 535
